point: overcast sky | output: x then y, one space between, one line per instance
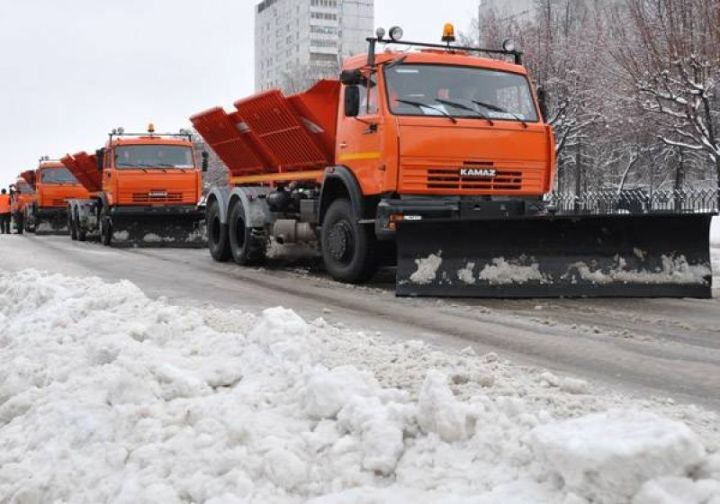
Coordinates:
71 70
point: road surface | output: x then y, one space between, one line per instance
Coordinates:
657 347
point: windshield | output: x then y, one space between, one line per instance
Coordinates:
154 156
466 92
57 176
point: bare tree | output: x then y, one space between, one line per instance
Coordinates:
299 77
674 66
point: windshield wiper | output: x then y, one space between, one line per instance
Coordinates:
419 104
466 107
396 62
495 108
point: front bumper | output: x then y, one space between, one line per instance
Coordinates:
50 213
457 208
190 211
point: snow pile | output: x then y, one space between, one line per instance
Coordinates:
608 456
427 269
502 272
108 396
674 270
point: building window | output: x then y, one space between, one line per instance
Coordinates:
323 43
323 15
327 30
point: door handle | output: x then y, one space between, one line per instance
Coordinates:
343 145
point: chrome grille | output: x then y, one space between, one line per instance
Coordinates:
157 197
450 178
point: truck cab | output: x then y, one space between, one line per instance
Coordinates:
22 196
149 170
431 130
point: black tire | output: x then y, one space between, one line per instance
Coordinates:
71 225
248 246
19 222
218 243
105 230
349 249
81 233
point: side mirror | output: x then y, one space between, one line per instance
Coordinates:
99 158
352 101
351 77
542 101
205 162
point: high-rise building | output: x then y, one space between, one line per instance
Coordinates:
303 38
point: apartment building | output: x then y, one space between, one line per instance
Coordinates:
296 38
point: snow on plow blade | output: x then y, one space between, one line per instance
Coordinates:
648 255
152 231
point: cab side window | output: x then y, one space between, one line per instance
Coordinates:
368 97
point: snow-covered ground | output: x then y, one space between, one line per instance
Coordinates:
109 396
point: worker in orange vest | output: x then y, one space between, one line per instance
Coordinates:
4 212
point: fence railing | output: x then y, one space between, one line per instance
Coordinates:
635 201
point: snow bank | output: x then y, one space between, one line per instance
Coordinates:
108 396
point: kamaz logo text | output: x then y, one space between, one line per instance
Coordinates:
478 172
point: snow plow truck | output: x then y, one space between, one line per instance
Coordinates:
144 190
440 157
22 196
54 185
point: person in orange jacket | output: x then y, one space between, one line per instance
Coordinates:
4 212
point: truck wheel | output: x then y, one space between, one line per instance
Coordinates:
217 234
349 249
247 245
71 225
105 231
81 233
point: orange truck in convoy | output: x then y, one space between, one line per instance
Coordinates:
54 185
144 189
22 196
439 157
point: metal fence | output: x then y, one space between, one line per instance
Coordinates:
636 201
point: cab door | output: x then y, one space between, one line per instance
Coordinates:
108 176
359 139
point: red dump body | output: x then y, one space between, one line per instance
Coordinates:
29 177
84 167
272 133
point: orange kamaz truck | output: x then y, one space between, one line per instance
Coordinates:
144 190
22 196
54 185
439 157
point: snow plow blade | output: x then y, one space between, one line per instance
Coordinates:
153 231
650 255
51 223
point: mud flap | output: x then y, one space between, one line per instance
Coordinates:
158 231
649 255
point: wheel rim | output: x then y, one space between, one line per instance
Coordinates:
341 242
